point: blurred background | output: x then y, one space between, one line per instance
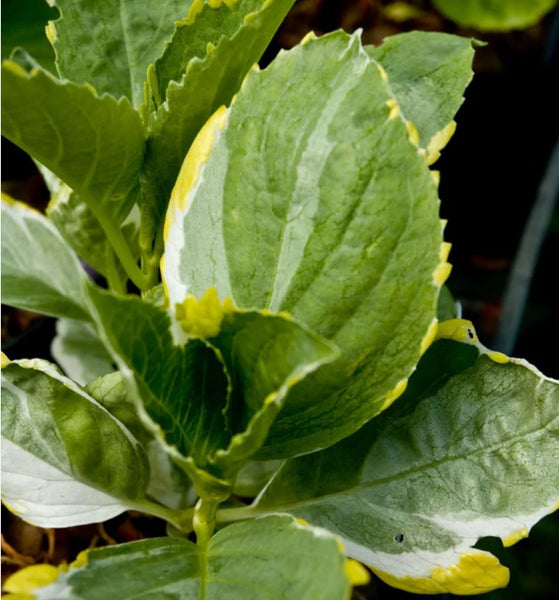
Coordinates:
491 178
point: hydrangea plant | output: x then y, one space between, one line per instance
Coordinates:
274 367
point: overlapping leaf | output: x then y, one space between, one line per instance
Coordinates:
427 73
470 450
79 352
271 557
308 196
168 484
201 69
94 143
495 16
212 402
65 460
79 227
39 271
110 44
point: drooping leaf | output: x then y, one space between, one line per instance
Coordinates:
65 460
93 143
428 73
168 484
39 271
469 450
110 44
23 25
213 401
79 352
273 557
308 196
500 15
211 52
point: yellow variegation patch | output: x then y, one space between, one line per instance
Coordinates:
439 141
22 583
198 6
459 330
475 573
202 318
356 573
462 330
515 536
197 156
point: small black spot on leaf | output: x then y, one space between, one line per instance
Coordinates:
399 537
470 334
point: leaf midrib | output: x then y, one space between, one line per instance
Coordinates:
401 475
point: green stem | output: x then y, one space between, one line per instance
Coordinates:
204 525
180 519
113 278
237 513
204 521
120 246
152 258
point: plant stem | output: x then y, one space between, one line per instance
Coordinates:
180 519
152 257
237 513
204 525
204 521
120 246
113 278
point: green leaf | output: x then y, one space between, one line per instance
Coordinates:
428 73
448 307
273 557
39 271
496 15
344 229
80 228
79 352
211 52
470 450
254 476
110 44
23 24
93 143
65 460
168 484
213 401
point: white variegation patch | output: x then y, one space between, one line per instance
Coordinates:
46 496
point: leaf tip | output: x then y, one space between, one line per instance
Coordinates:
356 573
28 579
475 572
439 141
4 360
311 35
459 330
515 536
